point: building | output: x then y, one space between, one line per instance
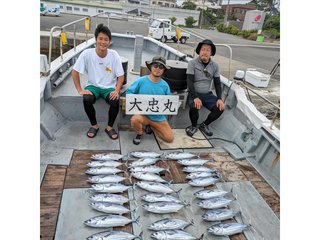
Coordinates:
237 11
164 3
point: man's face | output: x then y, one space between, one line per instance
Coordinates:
205 53
157 69
103 42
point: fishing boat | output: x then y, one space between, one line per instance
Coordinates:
244 148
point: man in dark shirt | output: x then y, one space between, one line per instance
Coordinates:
200 74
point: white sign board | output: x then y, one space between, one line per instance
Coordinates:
152 104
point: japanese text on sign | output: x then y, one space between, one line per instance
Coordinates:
152 104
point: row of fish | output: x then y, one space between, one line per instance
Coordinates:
106 183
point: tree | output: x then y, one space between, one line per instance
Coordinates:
189 4
265 5
272 21
173 19
190 21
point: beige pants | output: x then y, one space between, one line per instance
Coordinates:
162 129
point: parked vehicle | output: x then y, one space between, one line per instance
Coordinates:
162 30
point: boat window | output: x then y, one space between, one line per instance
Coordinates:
69 8
77 9
85 9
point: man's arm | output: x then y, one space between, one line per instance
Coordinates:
217 85
76 80
115 93
190 83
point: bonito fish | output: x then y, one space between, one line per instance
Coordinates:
192 162
193 175
198 169
149 169
110 187
219 214
144 154
155 187
109 220
174 235
169 224
104 164
143 162
109 197
210 193
180 155
163 207
203 182
109 207
152 177
159 197
103 170
107 156
106 179
213 203
227 229
113 235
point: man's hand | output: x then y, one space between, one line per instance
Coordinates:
114 95
220 105
197 103
83 92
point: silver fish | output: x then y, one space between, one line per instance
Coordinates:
192 162
109 197
159 197
104 164
110 187
145 154
212 203
107 156
227 229
193 175
152 177
163 207
106 179
219 214
149 169
210 193
169 224
113 235
203 182
103 170
143 162
109 207
155 187
174 235
198 169
179 155
109 220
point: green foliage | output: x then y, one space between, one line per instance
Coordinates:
246 33
209 17
173 19
189 4
271 33
220 27
272 21
190 21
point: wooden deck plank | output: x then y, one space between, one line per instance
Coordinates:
50 196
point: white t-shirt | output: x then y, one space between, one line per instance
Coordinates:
101 72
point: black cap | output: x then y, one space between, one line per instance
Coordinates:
208 42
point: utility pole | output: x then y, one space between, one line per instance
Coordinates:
225 23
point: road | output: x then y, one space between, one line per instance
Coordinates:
253 54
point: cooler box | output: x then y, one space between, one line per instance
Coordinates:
257 79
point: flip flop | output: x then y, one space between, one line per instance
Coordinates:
92 130
112 132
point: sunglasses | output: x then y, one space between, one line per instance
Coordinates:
158 65
206 73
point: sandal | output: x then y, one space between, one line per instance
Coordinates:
92 130
112 132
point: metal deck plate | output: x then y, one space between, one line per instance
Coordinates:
182 140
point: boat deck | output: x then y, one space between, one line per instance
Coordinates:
65 191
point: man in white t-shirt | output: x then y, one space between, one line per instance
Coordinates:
105 78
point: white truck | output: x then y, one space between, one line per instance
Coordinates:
162 30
